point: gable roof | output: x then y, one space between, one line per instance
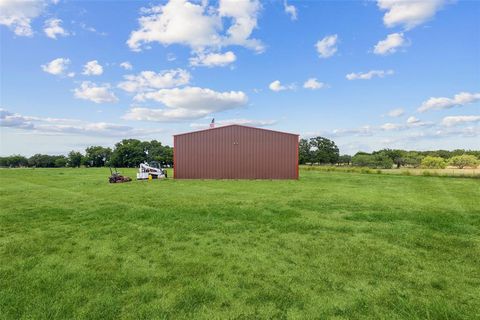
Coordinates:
235 125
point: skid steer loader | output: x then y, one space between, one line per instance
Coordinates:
152 169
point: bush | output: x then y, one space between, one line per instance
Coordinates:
378 160
430 162
60 162
412 159
344 159
362 160
383 161
464 160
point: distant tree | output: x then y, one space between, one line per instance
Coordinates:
475 153
464 160
304 152
42 161
397 156
75 159
129 153
383 161
445 154
168 155
457 152
158 152
430 162
60 162
362 160
97 156
324 150
412 159
378 160
345 159
154 150
13 161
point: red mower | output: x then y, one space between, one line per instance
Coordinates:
116 177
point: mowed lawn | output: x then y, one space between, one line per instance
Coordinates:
331 245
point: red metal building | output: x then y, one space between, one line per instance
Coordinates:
235 152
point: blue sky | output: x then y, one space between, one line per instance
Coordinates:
367 74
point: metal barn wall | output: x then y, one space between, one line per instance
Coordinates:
236 152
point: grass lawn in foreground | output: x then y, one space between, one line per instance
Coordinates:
331 245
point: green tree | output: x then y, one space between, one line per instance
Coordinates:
60 161
345 159
304 152
154 150
430 162
463 160
14 161
97 156
168 155
412 159
158 152
378 160
75 159
475 153
383 161
129 153
362 160
324 150
41 161
445 154
397 156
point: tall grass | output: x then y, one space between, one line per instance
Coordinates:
458 173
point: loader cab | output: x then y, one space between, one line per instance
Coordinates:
155 164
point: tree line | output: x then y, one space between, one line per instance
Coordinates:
313 151
321 151
438 159
126 153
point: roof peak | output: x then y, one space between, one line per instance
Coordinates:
237 125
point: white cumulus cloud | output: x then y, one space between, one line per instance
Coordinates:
57 67
18 15
290 9
126 65
186 104
150 80
213 59
197 25
96 93
460 99
408 13
53 28
390 44
369 75
313 84
412 120
458 120
92 68
278 86
327 47
415 122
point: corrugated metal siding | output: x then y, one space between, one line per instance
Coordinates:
236 152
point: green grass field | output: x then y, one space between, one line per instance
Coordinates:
331 245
